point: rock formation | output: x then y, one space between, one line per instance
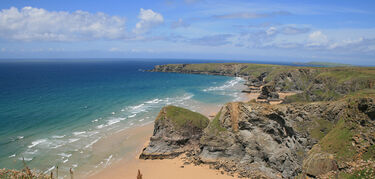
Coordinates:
327 130
176 130
272 141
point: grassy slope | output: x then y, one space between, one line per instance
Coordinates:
335 81
184 117
333 138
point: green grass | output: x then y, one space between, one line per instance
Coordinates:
338 141
347 74
321 128
215 126
317 84
184 117
369 154
367 173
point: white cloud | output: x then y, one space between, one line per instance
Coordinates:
148 19
271 31
317 38
30 23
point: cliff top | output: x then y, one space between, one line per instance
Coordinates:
183 117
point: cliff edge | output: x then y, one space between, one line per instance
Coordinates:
325 130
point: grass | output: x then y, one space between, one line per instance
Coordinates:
184 117
321 128
215 126
324 84
347 74
338 141
369 154
367 173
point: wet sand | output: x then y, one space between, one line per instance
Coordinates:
136 138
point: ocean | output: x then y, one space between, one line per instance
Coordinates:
52 113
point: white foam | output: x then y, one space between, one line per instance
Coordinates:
58 136
137 107
73 140
141 120
114 121
26 159
65 160
92 143
79 133
65 155
154 101
75 165
108 159
50 169
57 146
100 126
228 84
133 115
37 142
93 133
20 137
11 156
31 152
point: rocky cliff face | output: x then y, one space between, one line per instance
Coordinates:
274 141
176 130
326 130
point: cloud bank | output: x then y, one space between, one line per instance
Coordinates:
30 24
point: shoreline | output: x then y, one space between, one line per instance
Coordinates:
127 167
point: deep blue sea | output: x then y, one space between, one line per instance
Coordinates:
52 113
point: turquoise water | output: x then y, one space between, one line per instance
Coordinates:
52 113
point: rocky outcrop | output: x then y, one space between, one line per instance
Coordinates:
319 163
268 93
176 130
273 141
327 128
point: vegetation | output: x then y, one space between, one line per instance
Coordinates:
316 83
215 126
367 173
339 141
370 153
321 128
323 64
184 117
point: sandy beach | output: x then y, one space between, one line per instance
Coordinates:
136 138
150 169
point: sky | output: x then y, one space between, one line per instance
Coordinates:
340 31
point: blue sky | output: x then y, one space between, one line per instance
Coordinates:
258 30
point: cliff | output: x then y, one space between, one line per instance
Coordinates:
176 130
311 83
275 141
325 130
